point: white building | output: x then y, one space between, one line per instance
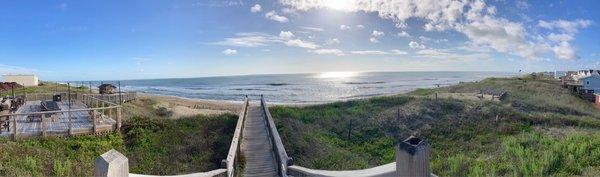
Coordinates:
591 82
24 80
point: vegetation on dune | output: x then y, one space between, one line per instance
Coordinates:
167 147
540 129
153 143
153 146
46 87
55 156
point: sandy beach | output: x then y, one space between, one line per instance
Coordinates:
185 107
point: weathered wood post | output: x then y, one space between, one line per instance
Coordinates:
94 113
111 164
119 110
43 125
412 158
14 127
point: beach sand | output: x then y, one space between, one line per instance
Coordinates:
185 107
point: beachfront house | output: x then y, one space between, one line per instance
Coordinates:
24 80
591 83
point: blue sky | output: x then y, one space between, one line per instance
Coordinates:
93 40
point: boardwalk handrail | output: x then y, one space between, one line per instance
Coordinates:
234 149
281 157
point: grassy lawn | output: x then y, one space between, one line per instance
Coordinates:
540 129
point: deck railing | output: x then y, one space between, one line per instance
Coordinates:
96 108
231 163
281 157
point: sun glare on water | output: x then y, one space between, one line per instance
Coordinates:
336 75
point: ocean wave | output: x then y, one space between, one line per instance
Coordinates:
251 89
277 84
366 82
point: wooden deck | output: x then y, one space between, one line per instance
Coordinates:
57 124
256 145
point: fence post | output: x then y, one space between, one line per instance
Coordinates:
111 164
412 158
14 127
119 118
43 125
94 120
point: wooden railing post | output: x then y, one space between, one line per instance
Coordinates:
119 110
111 164
14 119
94 113
412 158
43 125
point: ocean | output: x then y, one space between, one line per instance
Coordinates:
304 88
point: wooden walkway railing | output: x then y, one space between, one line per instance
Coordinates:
233 157
282 159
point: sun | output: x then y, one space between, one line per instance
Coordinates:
338 4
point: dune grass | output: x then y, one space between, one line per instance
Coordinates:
153 143
540 129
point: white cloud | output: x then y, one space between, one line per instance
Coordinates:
289 11
360 27
345 27
312 28
399 52
416 45
275 17
474 18
374 40
564 51
286 34
249 40
560 37
254 39
230 52
300 43
337 52
332 41
375 35
403 34
256 8
566 26
378 52
445 54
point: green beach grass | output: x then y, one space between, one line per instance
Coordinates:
540 129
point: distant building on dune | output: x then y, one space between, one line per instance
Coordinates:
586 83
24 80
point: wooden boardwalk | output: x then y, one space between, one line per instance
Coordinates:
256 145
